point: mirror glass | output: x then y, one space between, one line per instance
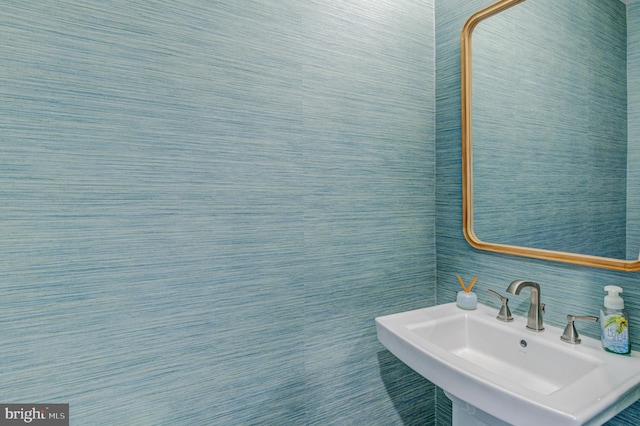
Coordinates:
551 167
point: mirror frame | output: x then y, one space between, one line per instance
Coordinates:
467 167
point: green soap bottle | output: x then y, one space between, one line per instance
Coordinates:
614 323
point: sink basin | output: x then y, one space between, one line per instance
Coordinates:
509 372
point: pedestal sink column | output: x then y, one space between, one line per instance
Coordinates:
464 414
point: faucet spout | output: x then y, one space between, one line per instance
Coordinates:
536 309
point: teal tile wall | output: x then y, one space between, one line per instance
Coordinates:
204 205
633 167
566 289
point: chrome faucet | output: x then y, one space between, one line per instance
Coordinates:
536 309
570 334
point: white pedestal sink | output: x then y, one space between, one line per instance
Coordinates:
497 372
464 414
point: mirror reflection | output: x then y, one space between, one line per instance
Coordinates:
554 112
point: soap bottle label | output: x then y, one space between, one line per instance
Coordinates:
615 334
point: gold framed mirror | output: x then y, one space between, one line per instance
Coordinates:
504 245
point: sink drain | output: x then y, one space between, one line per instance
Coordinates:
523 343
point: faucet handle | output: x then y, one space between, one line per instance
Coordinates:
505 313
570 334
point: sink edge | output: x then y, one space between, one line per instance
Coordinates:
479 391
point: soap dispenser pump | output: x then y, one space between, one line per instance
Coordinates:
614 322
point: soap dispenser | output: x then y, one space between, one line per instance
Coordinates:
614 322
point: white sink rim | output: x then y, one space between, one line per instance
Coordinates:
507 352
612 386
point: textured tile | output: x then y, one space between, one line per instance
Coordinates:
205 205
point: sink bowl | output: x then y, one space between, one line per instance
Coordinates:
509 372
